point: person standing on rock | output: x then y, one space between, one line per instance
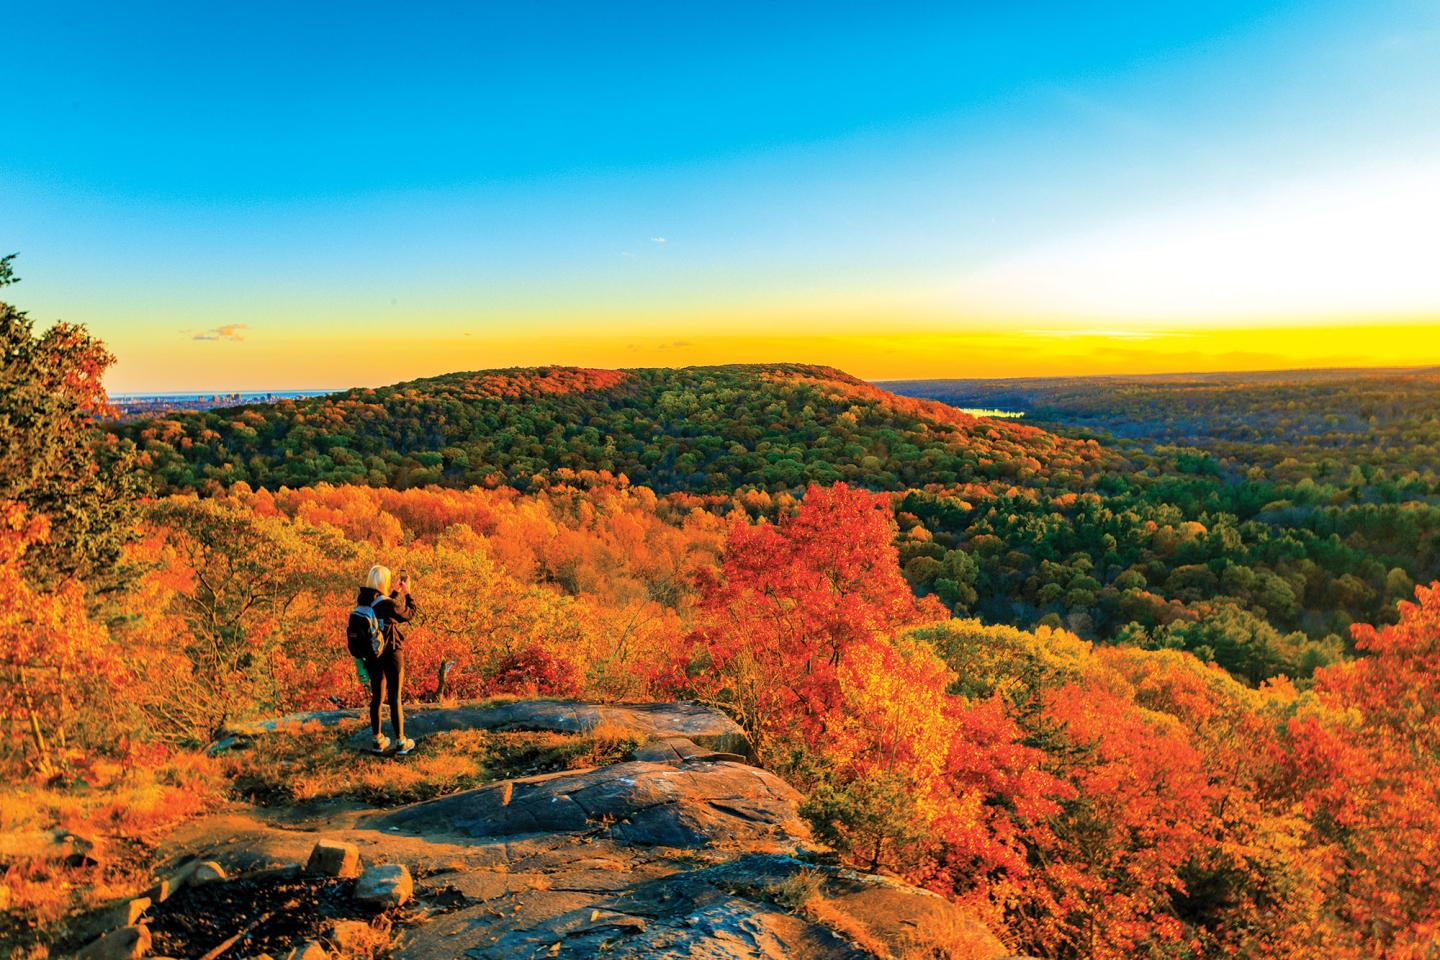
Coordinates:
386 668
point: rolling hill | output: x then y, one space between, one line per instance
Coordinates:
1241 552
705 430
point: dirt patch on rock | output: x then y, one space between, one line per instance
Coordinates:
277 912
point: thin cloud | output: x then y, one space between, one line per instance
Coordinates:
660 240
229 331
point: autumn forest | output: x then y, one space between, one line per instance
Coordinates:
1151 671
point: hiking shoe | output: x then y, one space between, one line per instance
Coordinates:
380 744
404 746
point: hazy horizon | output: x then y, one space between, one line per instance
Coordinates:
1261 373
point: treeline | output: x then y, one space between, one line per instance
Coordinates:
1261 566
1265 513
1181 562
1351 428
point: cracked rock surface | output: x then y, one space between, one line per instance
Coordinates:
701 726
683 851
645 803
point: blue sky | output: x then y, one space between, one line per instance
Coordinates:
323 171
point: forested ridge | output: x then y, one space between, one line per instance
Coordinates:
1326 422
1318 489
696 429
1261 566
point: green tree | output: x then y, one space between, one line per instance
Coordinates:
247 577
53 459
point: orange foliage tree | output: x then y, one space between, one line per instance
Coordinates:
798 640
790 601
52 653
53 459
1364 763
1167 837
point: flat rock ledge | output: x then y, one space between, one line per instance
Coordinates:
699 804
685 850
680 722
742 909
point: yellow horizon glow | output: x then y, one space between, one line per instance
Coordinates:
1034 349
1329 271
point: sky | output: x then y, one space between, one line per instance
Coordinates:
291 196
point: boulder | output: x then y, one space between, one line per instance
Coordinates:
648 804
351 937
168 886
919 922
684 850
126 913
334 858
385 885
309 950
127 943
62 846
207 872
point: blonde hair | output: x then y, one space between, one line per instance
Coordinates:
378 579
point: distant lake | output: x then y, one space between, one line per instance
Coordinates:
982 412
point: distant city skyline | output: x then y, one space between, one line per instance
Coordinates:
277 198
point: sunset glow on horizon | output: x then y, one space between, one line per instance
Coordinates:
280 199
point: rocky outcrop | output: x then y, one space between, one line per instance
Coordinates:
332 858
680 723
707 803
127 943
683 851
60 846
385 886
746 909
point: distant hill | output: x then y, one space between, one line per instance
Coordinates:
697 429
1319 418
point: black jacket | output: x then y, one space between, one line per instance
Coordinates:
390 614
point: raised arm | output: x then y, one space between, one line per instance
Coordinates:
399 613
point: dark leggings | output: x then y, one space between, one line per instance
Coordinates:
388 669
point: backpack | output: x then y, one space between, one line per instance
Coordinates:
365 632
